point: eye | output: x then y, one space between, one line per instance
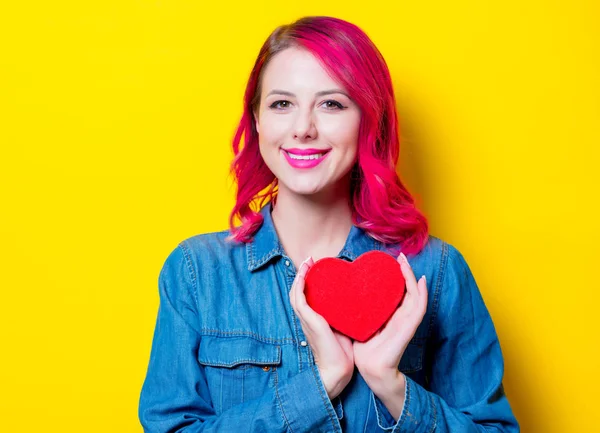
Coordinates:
275 105
335 104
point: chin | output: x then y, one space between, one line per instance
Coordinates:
303 188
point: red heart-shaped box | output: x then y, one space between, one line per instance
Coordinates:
358 297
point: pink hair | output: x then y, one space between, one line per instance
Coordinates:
381 204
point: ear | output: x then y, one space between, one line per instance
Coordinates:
255 113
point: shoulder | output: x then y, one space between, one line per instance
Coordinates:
452 262
434 255
437 251
212 242
204 260
210 248
207 254
454 284
443 265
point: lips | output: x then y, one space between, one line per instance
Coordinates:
305 158
305 152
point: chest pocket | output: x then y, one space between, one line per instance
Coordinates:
412 359
237 369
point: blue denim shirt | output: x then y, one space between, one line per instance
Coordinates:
229 354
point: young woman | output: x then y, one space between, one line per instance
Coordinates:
236 346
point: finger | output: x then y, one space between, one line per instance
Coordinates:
299 281
305 312
395 323
292 293
419 306
305 266
422 300
409 276
344 342
301 306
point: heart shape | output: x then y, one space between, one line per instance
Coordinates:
356 298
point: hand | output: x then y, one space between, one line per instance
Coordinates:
332 350
377 359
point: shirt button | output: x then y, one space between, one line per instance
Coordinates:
303 343
287 262
266 368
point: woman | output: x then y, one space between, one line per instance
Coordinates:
236 346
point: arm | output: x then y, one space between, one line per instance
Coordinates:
466 393
175 396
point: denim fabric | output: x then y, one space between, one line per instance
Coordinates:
229 354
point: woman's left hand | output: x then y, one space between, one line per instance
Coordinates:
377 359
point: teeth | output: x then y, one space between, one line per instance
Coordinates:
306 157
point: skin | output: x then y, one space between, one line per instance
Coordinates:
312 217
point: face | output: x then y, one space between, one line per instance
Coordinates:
307 125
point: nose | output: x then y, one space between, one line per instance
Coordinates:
304 126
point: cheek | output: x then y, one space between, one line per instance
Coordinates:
273 128
342 131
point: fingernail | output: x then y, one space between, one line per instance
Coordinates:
304 266
404 259
424 279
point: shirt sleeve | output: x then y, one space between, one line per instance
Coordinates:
465 391
175 394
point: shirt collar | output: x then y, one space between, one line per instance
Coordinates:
265 244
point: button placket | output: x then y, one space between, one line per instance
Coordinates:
304 358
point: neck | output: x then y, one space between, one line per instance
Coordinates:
311 225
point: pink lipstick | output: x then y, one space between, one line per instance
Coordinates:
305 158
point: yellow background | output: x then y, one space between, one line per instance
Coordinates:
116 119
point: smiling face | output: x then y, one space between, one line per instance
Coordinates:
307 125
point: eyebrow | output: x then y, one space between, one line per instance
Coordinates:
321 93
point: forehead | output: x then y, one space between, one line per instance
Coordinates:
296 69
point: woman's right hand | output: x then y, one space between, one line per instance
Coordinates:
332 350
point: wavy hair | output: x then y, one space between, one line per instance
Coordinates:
381 205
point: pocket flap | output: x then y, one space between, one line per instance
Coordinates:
232 351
